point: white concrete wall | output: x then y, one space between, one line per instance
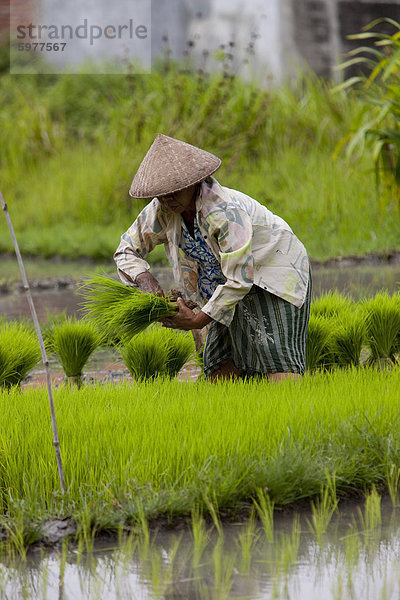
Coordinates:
255 27
270 37
100 13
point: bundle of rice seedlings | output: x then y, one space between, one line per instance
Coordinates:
180 347
122 309
19 353
348 339
48 328
382 315
158 351
318 347
74 341
331 304
144 356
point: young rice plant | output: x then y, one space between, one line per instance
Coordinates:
157 351
74 341
19 353
382 315
121 309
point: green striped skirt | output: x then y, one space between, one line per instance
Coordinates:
267 335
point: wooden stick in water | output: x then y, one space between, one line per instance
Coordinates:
27 289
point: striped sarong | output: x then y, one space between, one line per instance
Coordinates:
267 335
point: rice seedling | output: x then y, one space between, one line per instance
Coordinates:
373 517
74 342
331 304
123 309
48 328
144 356
393 483
180 347
318 347
348 339
169 447
371 520
323 509
286 551
247 538
382 315
200 537
265 510
223 561
19 353
157 351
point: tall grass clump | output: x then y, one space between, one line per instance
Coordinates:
74 341
382 315
19 353
157 351
120 309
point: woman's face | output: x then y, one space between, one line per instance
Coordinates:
179 202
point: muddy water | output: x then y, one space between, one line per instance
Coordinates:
54 296
350 561
356 280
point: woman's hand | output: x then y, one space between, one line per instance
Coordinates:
147 283
186 319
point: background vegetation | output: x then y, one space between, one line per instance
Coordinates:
71 145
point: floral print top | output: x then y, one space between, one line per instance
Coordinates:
209 270
251 244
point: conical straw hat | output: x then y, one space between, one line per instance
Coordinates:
171 165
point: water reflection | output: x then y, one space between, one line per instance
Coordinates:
357 281
348 562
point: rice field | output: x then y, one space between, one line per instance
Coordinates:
164 448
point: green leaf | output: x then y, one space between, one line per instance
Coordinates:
366 49
377 149
361 36
348 83
357 60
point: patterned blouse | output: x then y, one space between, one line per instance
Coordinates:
251 244
208 269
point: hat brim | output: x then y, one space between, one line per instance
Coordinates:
176 189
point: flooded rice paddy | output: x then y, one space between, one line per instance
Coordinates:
358 557
57 291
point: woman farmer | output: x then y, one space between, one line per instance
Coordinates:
239 262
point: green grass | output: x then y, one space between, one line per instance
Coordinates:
166 447
68 160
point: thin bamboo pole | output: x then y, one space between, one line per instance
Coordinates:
27 289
